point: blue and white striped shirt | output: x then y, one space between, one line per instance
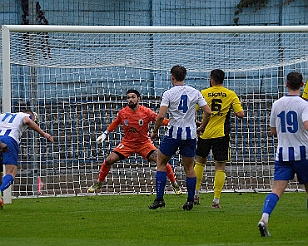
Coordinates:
11 124
181 101
287 116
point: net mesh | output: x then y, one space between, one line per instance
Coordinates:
153 51
77 83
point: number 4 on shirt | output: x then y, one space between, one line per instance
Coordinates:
183 104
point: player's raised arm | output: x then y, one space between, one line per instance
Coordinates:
102 137
36 128
114 124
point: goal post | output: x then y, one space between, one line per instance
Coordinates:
76 78
6 91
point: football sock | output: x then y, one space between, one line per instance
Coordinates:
170 173
265 217
197 193
160 184
219 182
7 180
270 203
191 187
199 169
104 170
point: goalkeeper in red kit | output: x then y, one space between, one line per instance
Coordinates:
135 120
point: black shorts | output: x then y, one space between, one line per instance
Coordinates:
220 148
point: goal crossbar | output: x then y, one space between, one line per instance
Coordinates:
156 29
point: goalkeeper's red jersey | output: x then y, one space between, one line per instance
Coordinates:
135 124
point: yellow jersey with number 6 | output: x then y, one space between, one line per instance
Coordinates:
221 101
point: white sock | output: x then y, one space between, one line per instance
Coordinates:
216 200
265 217
197 193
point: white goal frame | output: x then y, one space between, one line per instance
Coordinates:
7 29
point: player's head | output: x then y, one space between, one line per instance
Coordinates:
33 115
133 98
294 80
178 73
218 76
30 112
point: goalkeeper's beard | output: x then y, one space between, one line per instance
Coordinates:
132 105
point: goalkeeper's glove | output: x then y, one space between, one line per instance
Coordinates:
102 137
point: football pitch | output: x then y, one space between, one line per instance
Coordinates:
126 220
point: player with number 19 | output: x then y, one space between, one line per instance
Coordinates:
289 122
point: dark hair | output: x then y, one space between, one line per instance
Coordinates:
294 80
217 75
133 91
179 72
27 111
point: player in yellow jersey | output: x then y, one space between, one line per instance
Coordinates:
305 96
305 92
216 136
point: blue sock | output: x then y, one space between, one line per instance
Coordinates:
270 203
7 180
191 188
160 184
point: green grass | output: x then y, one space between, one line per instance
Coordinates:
126 220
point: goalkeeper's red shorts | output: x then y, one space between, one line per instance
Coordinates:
127 149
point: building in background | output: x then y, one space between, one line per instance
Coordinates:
151 12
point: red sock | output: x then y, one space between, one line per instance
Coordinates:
170 173
104 170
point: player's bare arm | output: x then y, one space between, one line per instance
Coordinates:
306 125
36 128
207 114
240 114
159 121
273 131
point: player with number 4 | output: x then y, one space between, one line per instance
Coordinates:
135 119
180 102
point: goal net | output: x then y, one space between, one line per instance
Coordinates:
76 79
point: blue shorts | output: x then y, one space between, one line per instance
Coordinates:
11 156
169 146
285 170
